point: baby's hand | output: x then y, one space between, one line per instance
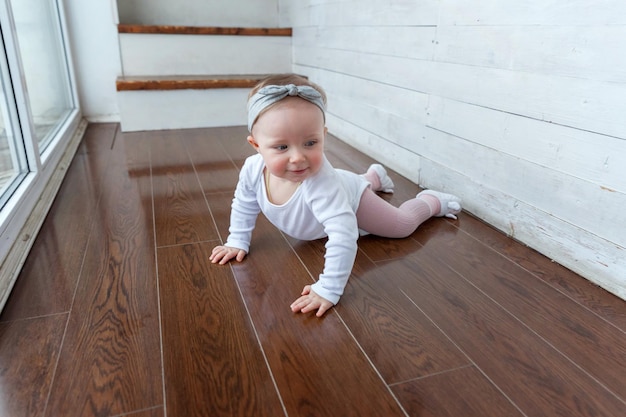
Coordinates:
311 301
223 254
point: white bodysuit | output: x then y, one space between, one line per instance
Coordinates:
323 206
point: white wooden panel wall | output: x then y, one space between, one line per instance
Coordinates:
516 105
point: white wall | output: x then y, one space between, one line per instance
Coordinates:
229 13
92 27
515 105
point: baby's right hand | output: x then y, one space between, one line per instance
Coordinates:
223 254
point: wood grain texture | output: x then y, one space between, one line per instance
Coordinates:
535 376
181 214
110 361
28 352
318 367
203 30
212 163
178 82
459 392
457 319
57 255
401 342
538 306
213 363
594 298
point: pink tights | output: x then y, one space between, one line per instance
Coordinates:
380 218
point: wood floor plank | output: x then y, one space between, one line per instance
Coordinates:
318 367
96 146
460 319
56 257
535 376
461 392
213 362
400 341
595 298
153 412
592 343
110 362
233 141
216 171
381 249
28 353
180 211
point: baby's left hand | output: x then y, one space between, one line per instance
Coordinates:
311 301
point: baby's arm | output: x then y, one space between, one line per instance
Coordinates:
244 211
223 254
339 221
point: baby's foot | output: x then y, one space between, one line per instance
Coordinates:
386 185
450 205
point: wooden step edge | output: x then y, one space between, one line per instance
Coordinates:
202 30
187 82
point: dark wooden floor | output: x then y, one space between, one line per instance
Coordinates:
118 311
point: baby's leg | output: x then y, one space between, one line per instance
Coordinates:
380 218
377 176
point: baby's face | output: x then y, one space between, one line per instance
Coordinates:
290 138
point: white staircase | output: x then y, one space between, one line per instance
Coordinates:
177 77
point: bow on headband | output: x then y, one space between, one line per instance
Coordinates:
270 94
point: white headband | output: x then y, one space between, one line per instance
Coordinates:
270 94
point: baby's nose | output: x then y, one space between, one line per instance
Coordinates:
296 156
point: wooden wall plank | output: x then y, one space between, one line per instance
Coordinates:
528 12
416 42
585 104
364 13
538 186
567 51
585 155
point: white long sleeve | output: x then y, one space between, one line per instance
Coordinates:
324 205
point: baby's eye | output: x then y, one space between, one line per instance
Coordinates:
280 147
310 143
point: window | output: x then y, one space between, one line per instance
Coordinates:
40 113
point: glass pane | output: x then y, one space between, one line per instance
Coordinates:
12 154
43 58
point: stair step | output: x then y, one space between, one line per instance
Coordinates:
203 30
182 109
184 82
166 54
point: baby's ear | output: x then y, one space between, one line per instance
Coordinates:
252 142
